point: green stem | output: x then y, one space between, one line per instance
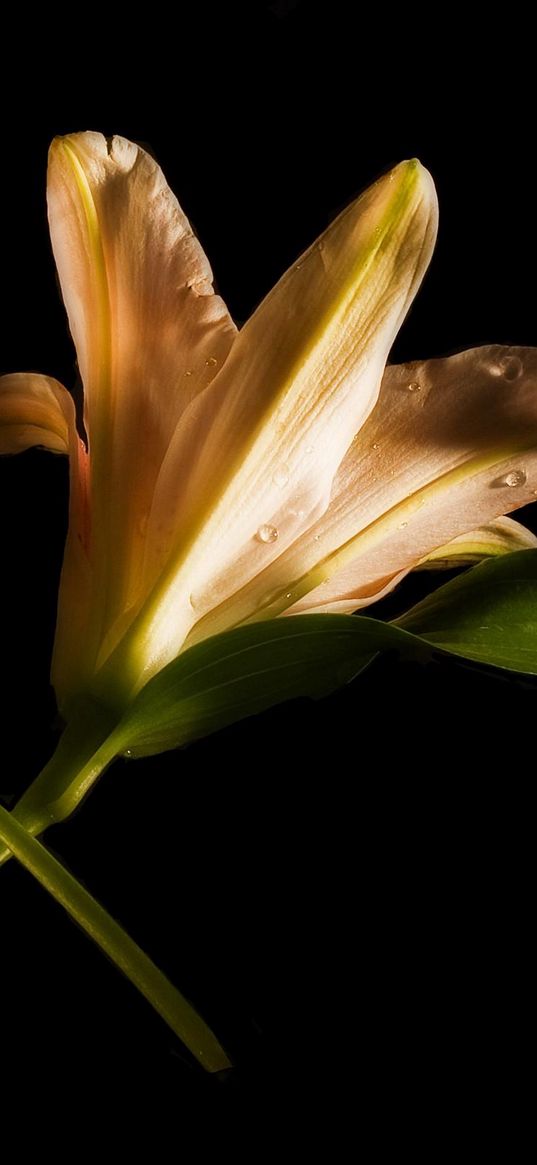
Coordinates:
114 941
88 745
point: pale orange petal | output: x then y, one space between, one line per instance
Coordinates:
337 595
260 449
37 410
451 445
149 332
34 410
502 536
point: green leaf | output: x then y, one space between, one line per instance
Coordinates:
249 669
488 614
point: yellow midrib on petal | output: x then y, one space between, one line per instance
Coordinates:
286 596
102 414
98 262
329 319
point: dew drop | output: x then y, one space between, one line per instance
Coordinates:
188 372
128 752
211 361
289 595
298 266
375 445
309 448
317 537
414 386
511 368
267 533
402 525
513 478
281 475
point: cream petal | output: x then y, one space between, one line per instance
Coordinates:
150 335
451 445
503 536
337 598
260 449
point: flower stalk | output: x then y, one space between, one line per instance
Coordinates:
175 1010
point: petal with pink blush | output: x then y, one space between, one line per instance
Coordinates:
34 410
150 335
259 450
450 446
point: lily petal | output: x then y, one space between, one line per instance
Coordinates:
504 536
37 410
303 375
34 410
451 445
149 333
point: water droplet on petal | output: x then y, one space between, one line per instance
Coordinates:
309 448
267 533
211 361
188 372
281 475
375 445
511 368
298 266
317 537
289 595
128 752
402 525
513 478
414 386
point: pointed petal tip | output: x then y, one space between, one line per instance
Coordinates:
416 177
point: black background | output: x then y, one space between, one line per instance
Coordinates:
341 887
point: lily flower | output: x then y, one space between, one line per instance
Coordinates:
226 476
